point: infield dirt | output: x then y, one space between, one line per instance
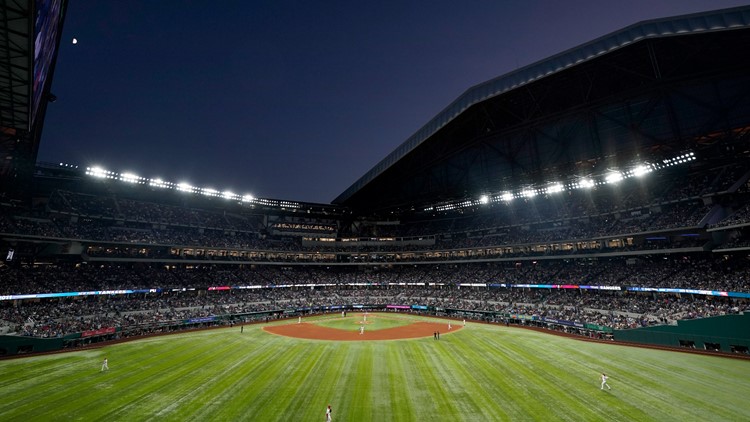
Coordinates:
313 331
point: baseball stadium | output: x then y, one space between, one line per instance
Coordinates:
566 241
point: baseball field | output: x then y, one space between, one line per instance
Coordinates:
479 372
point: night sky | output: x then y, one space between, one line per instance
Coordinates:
291 99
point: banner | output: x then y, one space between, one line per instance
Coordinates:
99 332
199 320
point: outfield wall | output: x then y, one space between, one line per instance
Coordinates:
16 345
728 333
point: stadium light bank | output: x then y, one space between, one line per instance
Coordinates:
611 177
132 178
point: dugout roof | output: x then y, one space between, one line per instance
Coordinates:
655 85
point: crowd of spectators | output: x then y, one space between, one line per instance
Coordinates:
59 317
183 292
686 272
737 217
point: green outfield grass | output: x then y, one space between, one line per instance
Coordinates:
352 321
480 373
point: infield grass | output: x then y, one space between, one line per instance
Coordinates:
480 373
373 322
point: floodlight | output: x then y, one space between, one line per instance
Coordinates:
227 194
555 188
528 193
184 187
640 170
158 183
587 183
507 196
97 172
484 199
613 177
248 198
129 177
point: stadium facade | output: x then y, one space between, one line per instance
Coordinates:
603 188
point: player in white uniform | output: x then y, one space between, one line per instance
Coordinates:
328 413
105 365
604 382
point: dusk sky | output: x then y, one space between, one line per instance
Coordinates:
291 99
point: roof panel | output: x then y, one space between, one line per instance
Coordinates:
718 20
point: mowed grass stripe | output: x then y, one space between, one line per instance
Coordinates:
579 378
222 381
500 355
460 378
691 377
582 393
719 381
148 392
489 375
85 378
485 372
535 384
393 382
492 351
528 371
686 382
235 386
287 388
560 379
346 383
19 383
335 366
655 373
429 393
590 360
20 373
642 395
268 376
309 391
232 375
359 380
128 374
411 400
